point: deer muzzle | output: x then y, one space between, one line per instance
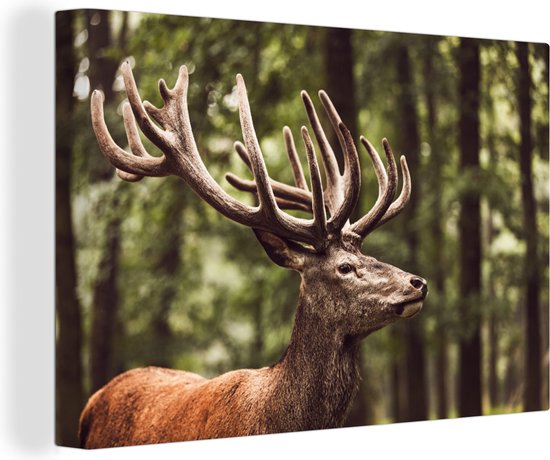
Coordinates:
412 307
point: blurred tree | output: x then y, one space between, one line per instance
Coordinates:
105 299
169 245
408 140
340 86
103 67
492 320
68 370
532 390
470 230
196 292
399 400
434 197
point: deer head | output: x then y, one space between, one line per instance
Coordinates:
350 293
344 295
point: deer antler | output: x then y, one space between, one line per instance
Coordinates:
174 137
338 203
341 191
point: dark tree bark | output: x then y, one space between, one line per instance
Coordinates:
408 141
513 384
493 352
492 321
541 145
340 86
105 290
469 231
399 400
123 34
105 303
69 392
532 392
103 70
493 383
494 395
437 249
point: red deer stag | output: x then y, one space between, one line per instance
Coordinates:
344 295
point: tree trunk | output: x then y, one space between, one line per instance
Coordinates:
437 249
340 86
105 290
494 399
103 67
532 389
69 392
409 141
469 231
493 386
543 148
442 372
400 408
105 302
102 72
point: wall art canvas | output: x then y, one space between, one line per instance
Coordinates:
267 228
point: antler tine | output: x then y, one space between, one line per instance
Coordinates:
128 177
292 205
346 187
379 168
181 157
386 188
243 154
134 141
280 222
299 178
351 180
152 131
398 205
284 192
128 163
174 136
297 171
265 192
287 196
329 159
331 111
318 203
341 192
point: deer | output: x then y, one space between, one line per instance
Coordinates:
344 294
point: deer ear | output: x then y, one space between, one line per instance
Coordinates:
282 251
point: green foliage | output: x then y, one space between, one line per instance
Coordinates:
223 303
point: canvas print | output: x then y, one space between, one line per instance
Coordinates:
264 228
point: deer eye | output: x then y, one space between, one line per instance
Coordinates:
345 268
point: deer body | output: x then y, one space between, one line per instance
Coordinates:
153 405
344 295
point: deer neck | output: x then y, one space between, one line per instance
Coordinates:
318 376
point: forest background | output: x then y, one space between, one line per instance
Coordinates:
147 274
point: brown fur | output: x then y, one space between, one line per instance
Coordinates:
153 405
310 388
344 295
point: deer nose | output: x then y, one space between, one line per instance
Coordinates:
420 284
